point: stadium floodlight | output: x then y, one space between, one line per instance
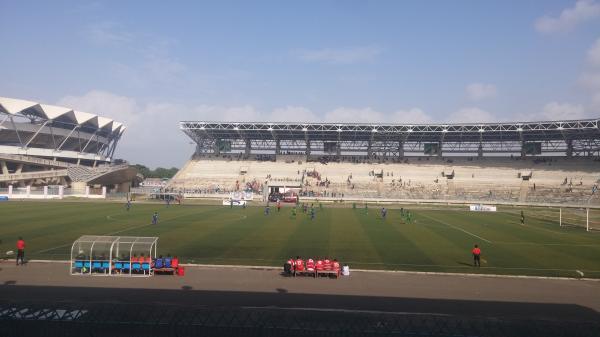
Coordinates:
520 129
481 130
304 129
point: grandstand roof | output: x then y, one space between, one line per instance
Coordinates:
30 109
464 132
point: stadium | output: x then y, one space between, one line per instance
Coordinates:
44 148
405 199
314 168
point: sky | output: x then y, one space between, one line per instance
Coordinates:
151 64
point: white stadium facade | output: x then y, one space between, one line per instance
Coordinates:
48 145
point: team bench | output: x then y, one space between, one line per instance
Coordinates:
328 272
316 269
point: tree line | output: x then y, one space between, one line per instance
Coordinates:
159 172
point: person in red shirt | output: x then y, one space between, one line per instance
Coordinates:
476 256
327 264
299 266
288 267
20 250
319 265
175 262
336 267
310 266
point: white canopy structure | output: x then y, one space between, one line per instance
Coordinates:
112 255
32 128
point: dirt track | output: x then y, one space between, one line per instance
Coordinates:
554 299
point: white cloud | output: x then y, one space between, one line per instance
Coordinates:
590 80
594 54
479 91
108 33
120 108
562 111
584 10
595 104
347 115
471 115
413 115
340 55
369 115
153 137
292 114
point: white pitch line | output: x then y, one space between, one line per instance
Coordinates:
548 244
109 217
458 228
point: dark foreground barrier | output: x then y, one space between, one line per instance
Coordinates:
63 319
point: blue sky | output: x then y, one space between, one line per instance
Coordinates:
151 64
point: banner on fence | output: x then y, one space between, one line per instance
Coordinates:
482 208
233 202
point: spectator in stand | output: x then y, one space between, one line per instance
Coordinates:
20 251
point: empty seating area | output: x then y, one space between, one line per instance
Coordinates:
551 180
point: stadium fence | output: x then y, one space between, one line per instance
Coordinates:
103 319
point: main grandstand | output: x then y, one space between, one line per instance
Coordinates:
534 162
44 145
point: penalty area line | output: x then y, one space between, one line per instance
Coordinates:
458 228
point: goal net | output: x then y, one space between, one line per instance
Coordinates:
580 217
588 218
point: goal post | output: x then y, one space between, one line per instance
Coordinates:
582 217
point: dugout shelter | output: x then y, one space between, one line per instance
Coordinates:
96 255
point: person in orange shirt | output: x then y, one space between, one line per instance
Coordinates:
148 259
20 250
476 256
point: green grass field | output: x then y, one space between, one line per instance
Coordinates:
437 240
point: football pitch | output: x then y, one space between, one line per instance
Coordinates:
437 240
